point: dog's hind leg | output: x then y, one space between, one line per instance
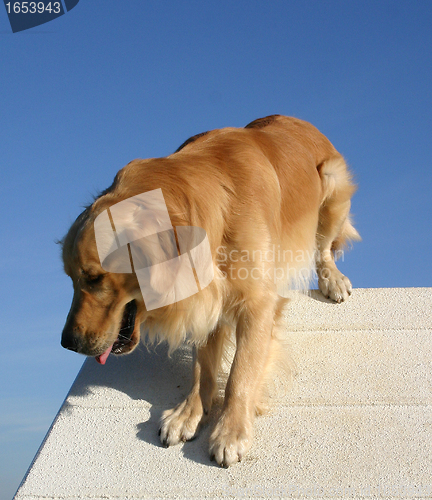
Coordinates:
335 230
182 423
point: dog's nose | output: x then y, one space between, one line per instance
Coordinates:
69 340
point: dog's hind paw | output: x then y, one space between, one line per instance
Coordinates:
334 285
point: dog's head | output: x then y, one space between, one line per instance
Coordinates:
105 311
128 265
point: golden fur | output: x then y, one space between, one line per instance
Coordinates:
274 200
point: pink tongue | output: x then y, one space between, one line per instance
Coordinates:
101 359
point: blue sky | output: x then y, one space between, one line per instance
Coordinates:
111 81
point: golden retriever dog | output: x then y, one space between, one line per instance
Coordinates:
273 204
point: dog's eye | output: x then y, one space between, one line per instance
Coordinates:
94 280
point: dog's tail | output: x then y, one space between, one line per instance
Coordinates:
337 190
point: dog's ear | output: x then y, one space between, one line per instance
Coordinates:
136 235
169 278
131 222
154 249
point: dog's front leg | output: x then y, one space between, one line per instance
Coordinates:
232 436
182 423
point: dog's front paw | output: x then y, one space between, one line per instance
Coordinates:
182 422
334 285
230 441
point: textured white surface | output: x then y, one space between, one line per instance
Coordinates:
357 422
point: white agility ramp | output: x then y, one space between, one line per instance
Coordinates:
357 422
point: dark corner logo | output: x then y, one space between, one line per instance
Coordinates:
25 15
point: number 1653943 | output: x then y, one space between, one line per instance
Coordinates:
33 7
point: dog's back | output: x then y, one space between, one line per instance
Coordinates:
288 187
